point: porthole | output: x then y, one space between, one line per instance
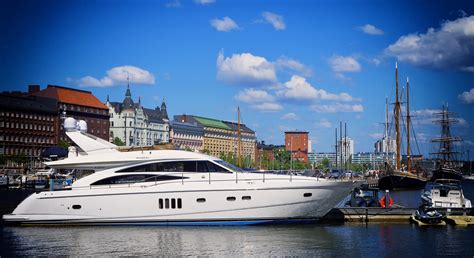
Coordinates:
173 203
76 206
231 198
160 203
201 200
246 198
180 204
167 203
307 194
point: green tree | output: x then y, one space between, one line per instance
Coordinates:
206 151
64 144
325 163
188 149
118 142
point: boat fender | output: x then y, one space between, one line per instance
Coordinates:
382 202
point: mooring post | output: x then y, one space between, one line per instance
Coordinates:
387 197
366 215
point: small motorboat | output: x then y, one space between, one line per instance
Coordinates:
445 193
428 216
364 196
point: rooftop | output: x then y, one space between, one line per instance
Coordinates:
71 96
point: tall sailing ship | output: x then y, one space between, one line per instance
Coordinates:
402 177
448 167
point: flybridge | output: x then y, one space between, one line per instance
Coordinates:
89 144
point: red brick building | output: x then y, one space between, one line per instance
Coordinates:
296 143
27 125
80 104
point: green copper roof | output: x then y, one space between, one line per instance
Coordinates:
211 122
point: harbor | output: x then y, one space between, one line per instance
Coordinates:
212 128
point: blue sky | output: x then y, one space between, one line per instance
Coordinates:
289 65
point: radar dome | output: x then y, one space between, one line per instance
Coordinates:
70 124
82 126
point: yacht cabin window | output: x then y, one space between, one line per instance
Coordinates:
176 166
131 179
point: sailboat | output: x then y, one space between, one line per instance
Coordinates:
447 168
405 177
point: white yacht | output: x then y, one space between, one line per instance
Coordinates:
445 193
170 187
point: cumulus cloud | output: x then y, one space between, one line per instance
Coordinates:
450 46
337 107
371 29
173 4
267 107
298 88
245 69
376 135
275 20
467 96
344 64
225 24
204 2
253 96
290 116
425 117
118 75
293 65
324 123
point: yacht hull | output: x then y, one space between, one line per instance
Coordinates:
245 203
446 173
391 182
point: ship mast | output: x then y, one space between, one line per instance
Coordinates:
239 158
387 147
408 129
397 117
446 152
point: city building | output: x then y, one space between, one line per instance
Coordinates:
318 157
265 153
79 104
221 137
135 125
345 149
296 142
187 136
28 126
373 160
385 145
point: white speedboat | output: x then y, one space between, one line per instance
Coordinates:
168 187
445 193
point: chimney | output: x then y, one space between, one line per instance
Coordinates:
33 88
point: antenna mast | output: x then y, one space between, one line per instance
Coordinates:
239 158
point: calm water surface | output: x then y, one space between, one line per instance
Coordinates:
348 240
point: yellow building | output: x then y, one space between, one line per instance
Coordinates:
221 137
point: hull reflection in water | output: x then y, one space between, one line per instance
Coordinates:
356 240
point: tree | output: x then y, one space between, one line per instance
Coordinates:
118 142
64 144
325 163
188 149
206 151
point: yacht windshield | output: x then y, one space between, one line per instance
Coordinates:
229 166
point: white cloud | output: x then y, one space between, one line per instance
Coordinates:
324 123
337 107
298 88
118 75
204 2
293 65
375 61
425 117
252 95
344 64
371 29
450 46
467 96
376 135
275 20
226 24
268 107
290 116
245 69
173 4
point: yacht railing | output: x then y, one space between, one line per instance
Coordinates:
145 183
